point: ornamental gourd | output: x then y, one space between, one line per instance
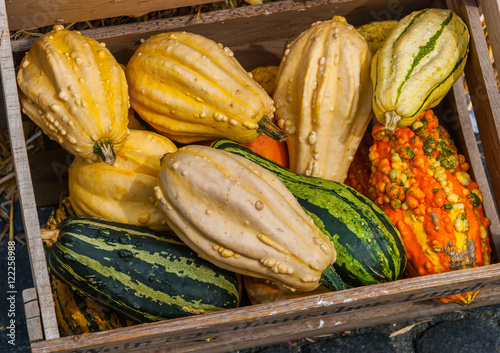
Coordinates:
376 32
368 246
122 192
421 182
191 89
421 58
323 98
76 92
240 217
143 274
78 314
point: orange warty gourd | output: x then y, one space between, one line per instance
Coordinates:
420 181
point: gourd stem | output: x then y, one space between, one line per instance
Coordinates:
268 128
49 237
391 121
105 150
331 280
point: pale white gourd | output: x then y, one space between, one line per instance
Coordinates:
239 216
323 98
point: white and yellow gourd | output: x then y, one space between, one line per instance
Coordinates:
73 88
323 98
421 58
240 217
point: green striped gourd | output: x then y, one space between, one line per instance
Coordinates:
421 58
369 247
144 274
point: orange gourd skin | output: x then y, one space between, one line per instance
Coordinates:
421 183
269 148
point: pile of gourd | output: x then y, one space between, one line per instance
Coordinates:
192 176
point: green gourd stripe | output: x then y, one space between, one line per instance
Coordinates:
423 51
174 265
455 68
409 25
133 285
397 39
139 272
89 223
369 247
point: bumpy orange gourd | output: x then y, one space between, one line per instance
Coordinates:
123 192
72 87
422 184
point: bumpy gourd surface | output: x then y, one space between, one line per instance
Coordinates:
75 91
241 217
323 98
190 89
122 192
420 181
421 58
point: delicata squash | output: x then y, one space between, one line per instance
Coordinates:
189 88
76 92
239 216
420 181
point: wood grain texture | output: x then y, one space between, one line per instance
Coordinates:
245 25
491 12
483 89
264 320
24 185
25 14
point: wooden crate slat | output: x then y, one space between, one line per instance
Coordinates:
24 185
483 89
491 12
25 14
243 25
258 318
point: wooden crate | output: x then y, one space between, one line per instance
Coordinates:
257 34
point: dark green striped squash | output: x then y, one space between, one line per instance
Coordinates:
421 58
369 247
143 274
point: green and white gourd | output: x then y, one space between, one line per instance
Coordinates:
421 58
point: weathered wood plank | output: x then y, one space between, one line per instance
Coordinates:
483 89
245 25
491 12
25 14
259 320
23 178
